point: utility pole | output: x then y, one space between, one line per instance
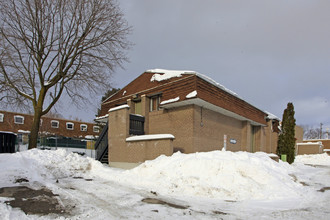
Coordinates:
321 130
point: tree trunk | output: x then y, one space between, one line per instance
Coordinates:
33 140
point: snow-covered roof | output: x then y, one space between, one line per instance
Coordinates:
272 116
168 74
7 132
102 117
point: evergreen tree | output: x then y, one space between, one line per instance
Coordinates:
105 96
286 141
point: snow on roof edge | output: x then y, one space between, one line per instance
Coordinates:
118 108
272 116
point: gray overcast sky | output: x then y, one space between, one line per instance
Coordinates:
270 52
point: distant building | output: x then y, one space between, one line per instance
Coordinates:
314 146
20 124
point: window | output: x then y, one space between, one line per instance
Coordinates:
69 125
1 117
54 124
18 119
138 107
154 103
83 127
96 129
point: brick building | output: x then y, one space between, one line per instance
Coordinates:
21 123
162 112
315 146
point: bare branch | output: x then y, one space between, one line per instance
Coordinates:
51 48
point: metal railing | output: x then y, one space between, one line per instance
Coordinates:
136 124
101 144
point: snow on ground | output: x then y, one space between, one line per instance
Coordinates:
218 174
213 185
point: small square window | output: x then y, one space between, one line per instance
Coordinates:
96 129
83 127
69 125
54 124
1 117
18 119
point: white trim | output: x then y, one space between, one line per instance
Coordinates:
1 117
18 116
51 124
23 132
150 137
81 129
311 143
69 123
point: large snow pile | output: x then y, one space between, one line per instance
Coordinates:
42 166
239 185
218 174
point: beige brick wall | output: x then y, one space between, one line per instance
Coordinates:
140 151
195 129
210 128
133 151
325 142
246 136
198 129
309 148
178 122
117 134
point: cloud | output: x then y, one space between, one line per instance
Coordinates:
316 108
269 52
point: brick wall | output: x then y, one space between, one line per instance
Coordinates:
8 124
210 128
121 150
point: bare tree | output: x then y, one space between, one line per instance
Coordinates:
311 132
53 47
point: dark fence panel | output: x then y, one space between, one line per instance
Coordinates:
136 125
62 142
7 142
